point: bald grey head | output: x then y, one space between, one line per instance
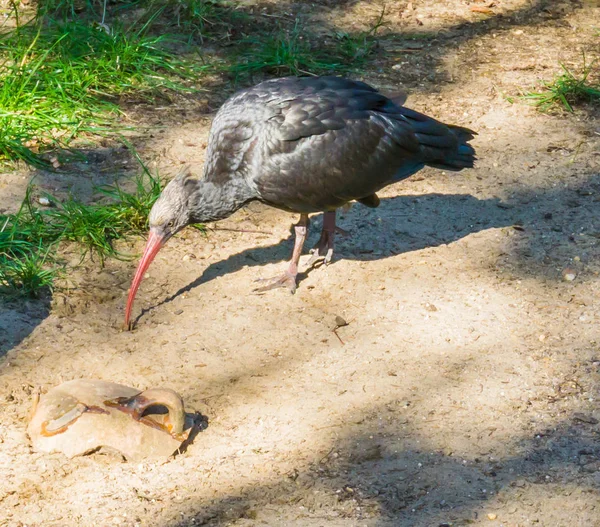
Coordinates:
172 211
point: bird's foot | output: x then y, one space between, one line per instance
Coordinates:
287 279
323 250
320 252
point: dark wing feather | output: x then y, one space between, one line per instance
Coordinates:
309 144
337 140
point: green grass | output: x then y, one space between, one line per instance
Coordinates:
60 80
282 53
194 18
27 274
567 89
356 48
23 266
29 239
205 19
298 52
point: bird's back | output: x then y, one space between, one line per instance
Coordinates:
314 143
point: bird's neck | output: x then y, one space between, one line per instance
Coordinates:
213 202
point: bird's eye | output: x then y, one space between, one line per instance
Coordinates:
170 224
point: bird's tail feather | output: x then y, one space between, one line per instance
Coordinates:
463 156
441 145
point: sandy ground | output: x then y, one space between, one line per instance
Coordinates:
462 391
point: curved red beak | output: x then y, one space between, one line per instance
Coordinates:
153 245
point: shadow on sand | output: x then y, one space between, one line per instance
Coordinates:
400 224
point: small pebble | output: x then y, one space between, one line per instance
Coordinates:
492 516
569 274
340 322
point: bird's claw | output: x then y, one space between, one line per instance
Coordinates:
287 279
319 253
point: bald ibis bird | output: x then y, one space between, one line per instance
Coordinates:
303 144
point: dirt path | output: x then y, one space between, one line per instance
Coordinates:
462 391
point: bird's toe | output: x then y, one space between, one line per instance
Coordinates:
321 253
286 280
315 257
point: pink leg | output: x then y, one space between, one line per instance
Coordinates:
324 247
288 279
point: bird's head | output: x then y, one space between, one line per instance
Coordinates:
170 214
171 211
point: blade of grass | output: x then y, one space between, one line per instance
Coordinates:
297 52
58 80
29 239
567 89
